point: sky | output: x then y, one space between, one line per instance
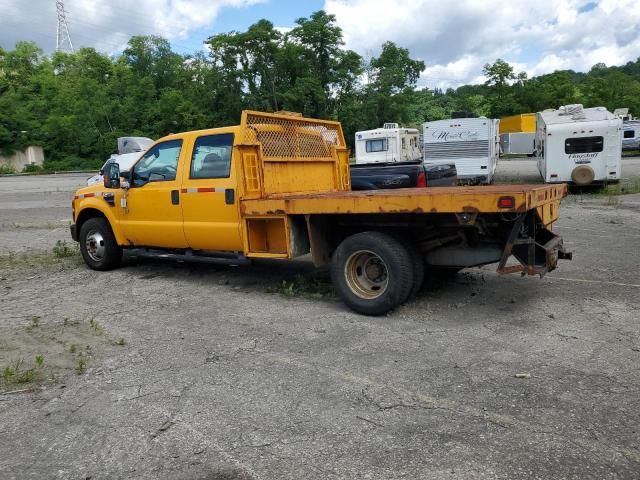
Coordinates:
454 39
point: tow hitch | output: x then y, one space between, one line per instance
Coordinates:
536 248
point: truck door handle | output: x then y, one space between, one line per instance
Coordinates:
229 196
175 197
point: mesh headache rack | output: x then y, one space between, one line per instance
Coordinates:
288 136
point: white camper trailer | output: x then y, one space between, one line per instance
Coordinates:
579 145
517 143
472 143
388 144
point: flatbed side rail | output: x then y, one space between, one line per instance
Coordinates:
545 199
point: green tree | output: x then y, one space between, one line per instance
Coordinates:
500 76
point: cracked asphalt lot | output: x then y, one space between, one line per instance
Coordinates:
217 378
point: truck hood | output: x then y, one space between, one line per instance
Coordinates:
98 187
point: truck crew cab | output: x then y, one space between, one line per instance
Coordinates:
278 186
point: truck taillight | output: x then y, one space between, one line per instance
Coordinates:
422 180
506 202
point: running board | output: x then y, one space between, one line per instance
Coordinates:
221 258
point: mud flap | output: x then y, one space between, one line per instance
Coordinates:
536 248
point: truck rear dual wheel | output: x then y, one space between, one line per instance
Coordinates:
98 245
373 272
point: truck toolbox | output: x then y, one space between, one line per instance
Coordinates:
278 186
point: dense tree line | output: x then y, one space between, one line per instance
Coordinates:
76 105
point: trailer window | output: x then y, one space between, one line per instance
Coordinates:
629 134
212 156
378 145
583 145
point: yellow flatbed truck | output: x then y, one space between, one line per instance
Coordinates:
278 186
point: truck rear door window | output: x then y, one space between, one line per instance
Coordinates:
211 156
583 145
629 134
377 145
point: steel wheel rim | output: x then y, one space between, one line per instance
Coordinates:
367 274
94 245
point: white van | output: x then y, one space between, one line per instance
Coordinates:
473 143
388 144
631 135
579 145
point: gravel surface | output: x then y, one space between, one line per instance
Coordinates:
200 372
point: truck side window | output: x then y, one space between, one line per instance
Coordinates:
212 156
629 134
378 145
583 145
159 164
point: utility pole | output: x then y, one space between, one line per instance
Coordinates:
63 40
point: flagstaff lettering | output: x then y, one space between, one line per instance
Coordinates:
580 158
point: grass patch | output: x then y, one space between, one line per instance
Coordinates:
307 286
34 226
39 259
7 169
81 364
625 187
64 250
96 328
16 374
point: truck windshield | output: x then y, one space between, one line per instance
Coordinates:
158 164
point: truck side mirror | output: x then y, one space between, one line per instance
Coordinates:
111 176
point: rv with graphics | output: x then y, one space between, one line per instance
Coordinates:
472 143
579 145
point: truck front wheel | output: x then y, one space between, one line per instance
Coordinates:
372 272
98 245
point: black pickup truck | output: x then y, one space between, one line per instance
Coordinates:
376 176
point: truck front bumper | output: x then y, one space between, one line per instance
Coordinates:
74 231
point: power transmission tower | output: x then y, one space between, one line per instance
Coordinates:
63 40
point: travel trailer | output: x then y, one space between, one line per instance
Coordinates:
472 143
525 122
579 145
517 134
388 144
517 143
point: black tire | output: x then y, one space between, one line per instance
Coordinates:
417 261
98 245
367 254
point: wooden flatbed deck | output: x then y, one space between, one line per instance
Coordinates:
482 199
